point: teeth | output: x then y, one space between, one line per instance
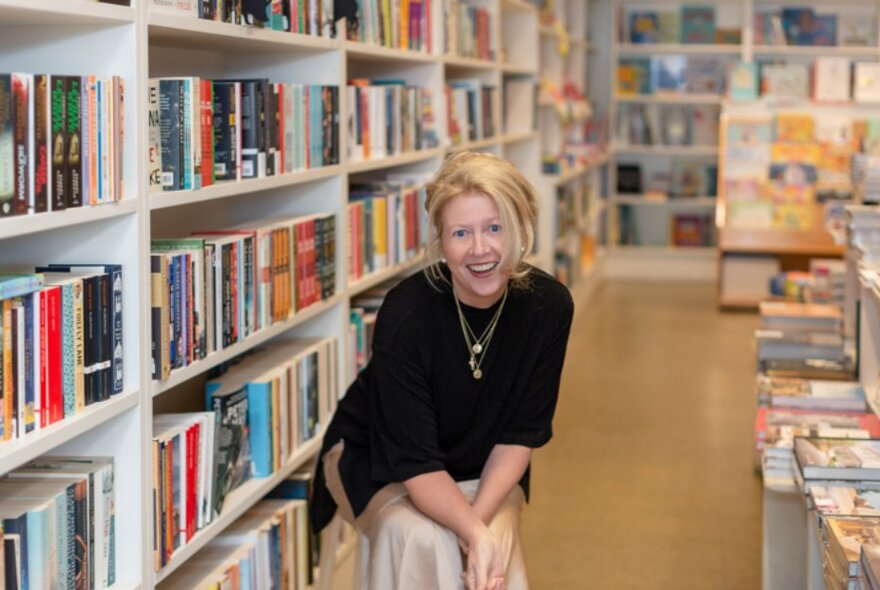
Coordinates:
482 267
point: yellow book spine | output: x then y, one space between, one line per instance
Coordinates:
79 384
380 231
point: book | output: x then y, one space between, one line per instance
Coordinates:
840 500
832 79
838 458
742 83
866 82
698 24
785 82
644 27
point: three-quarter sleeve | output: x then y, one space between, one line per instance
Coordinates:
404 439
532 422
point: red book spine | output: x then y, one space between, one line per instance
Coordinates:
206 112
192 441
41 359
53 358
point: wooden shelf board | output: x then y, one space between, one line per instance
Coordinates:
674 48
237 503
177 31
699 252
231 188
768 241
371 280
68 12
816 51
475 145
399 160
14 453
671 98
470 63
183 374
738 303
517 6
518 69
22 225
667 150
368 52
642 200
510 138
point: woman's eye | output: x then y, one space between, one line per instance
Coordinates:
459 233
494 228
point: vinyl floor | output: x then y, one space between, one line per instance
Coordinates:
648 482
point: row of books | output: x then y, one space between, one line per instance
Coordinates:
306 17
670 124
262 408
686 178
362 323
218 287
60 142
61 344
470 30
803 26
638 226
676 74
387 118
270 546
689 24
386 225
836 80
202 131
470 110
824 282
399 24
58 524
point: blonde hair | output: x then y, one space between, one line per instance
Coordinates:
499 180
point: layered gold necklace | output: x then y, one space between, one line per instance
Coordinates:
477 347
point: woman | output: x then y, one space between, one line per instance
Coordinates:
428 453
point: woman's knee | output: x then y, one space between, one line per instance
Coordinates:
403 524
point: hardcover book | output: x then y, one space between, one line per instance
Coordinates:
838 458
698 24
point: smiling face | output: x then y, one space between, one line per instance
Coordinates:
472 239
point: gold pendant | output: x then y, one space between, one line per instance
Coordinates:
477 348
478 374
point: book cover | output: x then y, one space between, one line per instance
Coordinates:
59 169
644 27
838 458
798 25
698 24
73 129
743 82
832 79
21 89
154 142
866 83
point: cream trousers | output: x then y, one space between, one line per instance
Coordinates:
410 551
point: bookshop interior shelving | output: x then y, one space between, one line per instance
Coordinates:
138 43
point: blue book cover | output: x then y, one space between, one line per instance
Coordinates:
18 527
260 426
744 82
30 384
315 131
668 73
824 30
291 489
18 284
798 23
38 540
173 313
644 27
244 574
698 24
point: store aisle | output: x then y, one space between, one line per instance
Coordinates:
648 482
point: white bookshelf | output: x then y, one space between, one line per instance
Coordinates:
86 37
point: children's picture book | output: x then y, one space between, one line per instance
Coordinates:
856 30
743 82
824 30
686 178
691 230
644 27
634 76
698 24
704 125
866 86
704 75
670 27
668 73
629 178
798 24
832 79
675 124
794 127
785 82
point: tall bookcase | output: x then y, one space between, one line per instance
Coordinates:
84 37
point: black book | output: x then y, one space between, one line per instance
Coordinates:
156 287
171 133
629 179
7 151
271 126
226 130
41 136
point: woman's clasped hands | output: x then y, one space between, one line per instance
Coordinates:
485 564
